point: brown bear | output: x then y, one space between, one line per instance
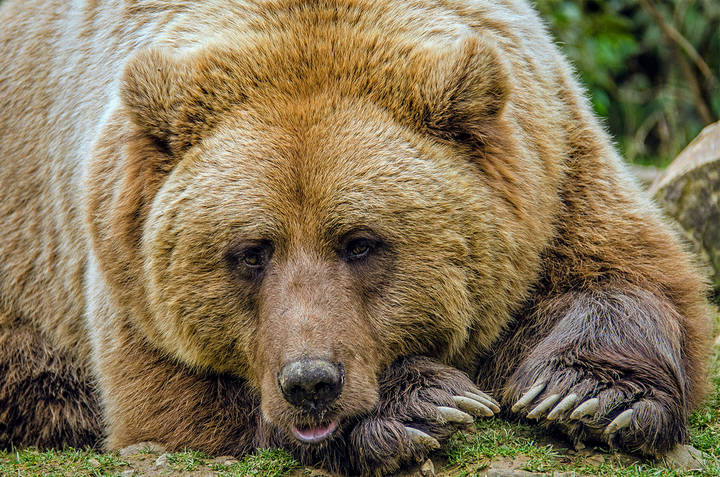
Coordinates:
324 226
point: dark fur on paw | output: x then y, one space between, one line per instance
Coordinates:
421 403
610 371
628 412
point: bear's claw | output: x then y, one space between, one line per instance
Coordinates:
563 407
528 397
622 420
475 407
586 409
419 437
541 408
455 416
483 398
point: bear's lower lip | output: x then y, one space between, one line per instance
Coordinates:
314 434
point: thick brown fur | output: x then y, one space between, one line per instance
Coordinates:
147 146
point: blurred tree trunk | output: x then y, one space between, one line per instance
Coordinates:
689 191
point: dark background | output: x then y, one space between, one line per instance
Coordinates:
651 68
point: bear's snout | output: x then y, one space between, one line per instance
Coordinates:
311 384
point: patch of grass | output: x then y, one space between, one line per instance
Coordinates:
498 440
188 460
263 463
70 462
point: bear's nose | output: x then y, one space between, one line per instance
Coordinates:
311 384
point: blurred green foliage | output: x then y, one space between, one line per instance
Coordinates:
651 67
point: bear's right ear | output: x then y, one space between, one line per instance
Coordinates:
149 91
158 93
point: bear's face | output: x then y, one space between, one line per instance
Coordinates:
315 230
301 222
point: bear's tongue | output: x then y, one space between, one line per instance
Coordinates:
314 434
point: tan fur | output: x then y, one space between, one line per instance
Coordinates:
142 139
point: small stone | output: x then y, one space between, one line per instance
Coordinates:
141 447
226 460
511 473
319 473
717 340
596 459
127 473
685 458
427 469
94 462
161 461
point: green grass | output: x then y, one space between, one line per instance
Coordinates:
70 462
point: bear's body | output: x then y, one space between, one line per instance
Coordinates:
205 203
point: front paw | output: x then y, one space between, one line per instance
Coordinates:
421 404
618 408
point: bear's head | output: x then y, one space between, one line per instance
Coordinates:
300 218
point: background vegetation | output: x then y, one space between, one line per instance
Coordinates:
651 67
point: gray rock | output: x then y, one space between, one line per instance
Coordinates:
689 192
127 473
511 473
427 469
161 461
226 460
685 458
141 447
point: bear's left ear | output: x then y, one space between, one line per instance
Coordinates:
465 92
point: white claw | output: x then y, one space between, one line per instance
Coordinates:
479 394
527 398
563 406
622 420
472 406
419 437
484 399
588 408
450 414
541 408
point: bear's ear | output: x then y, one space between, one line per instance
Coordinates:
151 93
465 92
179 100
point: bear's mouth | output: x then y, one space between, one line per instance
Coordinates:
314 434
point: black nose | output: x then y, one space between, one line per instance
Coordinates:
311 384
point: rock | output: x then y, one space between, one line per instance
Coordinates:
226 460
127 473
595 459
141 447
161 461
717 340
94 462
685 458
427 469
689 191
511 473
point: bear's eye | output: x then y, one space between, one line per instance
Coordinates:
253 258
359 248
250 260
